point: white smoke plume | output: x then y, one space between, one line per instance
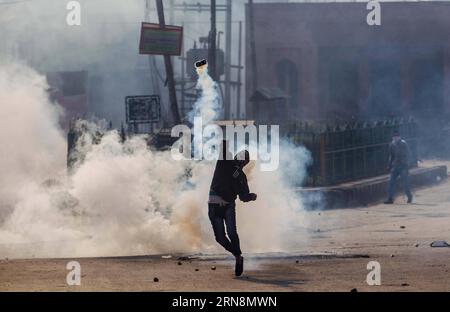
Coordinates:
208 105
123 199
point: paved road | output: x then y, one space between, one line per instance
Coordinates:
334 258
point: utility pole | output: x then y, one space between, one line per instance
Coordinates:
172 12
150 61
213 8
238 93
212 42
169 69
228 60
251 21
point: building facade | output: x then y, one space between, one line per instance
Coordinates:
334 66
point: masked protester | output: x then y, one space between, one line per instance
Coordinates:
229 181
399 155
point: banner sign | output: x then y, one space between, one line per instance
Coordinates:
155 40
143 109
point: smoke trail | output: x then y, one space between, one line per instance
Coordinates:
208 105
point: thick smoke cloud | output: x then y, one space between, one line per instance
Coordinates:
105 45
122 199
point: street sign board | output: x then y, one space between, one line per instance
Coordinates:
160 41
143 109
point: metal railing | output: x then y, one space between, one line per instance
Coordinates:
349 151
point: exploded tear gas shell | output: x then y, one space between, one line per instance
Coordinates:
200 63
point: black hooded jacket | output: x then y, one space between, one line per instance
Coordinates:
229 181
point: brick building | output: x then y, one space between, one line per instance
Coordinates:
333 65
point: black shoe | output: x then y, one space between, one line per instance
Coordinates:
239 268
389 202
409 201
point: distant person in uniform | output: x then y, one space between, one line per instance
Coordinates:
229 181
399 159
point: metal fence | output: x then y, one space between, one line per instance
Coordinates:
350 151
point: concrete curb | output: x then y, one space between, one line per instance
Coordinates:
367 191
